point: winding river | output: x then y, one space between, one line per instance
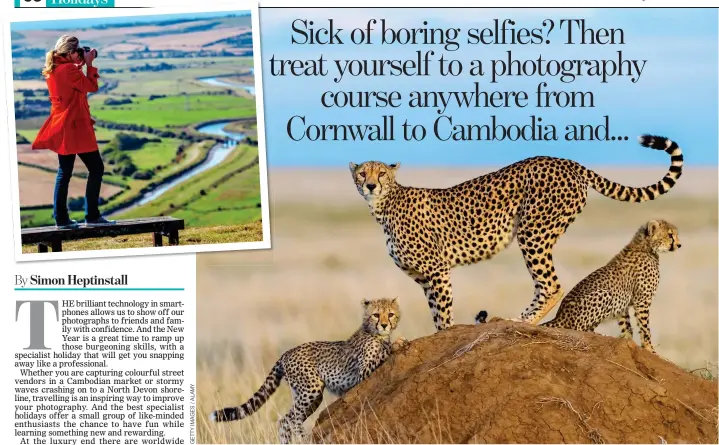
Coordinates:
219 82
217 154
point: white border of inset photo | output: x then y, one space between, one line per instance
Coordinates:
30 15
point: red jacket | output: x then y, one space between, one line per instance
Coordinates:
69 129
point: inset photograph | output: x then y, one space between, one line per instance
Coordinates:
138 134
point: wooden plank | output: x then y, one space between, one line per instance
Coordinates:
49 234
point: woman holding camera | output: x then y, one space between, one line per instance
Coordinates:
69 129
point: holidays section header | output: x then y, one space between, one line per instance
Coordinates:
67 4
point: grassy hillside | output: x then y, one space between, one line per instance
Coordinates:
224 194
236 200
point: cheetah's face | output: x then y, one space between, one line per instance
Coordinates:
373 178
663 236
381 315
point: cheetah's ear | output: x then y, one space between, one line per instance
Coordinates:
365 302
652 227
394 166
395 300
353 167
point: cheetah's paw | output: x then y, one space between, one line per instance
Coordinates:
400 343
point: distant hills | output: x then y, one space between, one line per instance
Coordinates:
229 35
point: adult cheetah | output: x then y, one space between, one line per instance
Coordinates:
631 279
430 231
336 365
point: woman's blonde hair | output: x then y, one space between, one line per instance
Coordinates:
64 46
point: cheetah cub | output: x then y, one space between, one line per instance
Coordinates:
631 278
336 365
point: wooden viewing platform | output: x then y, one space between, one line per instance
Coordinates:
52 237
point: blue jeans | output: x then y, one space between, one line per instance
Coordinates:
95 169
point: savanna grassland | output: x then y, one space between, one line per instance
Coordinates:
328 253
156 93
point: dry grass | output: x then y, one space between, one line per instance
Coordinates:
328 253
38 36
28 84
36 187
193 41
44 158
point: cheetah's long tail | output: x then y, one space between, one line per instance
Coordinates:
272 382
621 192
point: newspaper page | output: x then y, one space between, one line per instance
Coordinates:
106 359
489 223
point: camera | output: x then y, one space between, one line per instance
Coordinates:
86 49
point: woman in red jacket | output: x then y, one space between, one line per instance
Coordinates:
69 129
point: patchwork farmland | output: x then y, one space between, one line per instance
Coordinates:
172 95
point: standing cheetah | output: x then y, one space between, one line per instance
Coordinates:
430 231
335 365
631 278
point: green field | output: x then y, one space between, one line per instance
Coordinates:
176 110
101 134
153 154
28 134
223 63
227 63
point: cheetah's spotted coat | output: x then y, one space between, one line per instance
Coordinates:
335 365
631 279
430 231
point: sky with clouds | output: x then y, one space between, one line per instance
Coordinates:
676 95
